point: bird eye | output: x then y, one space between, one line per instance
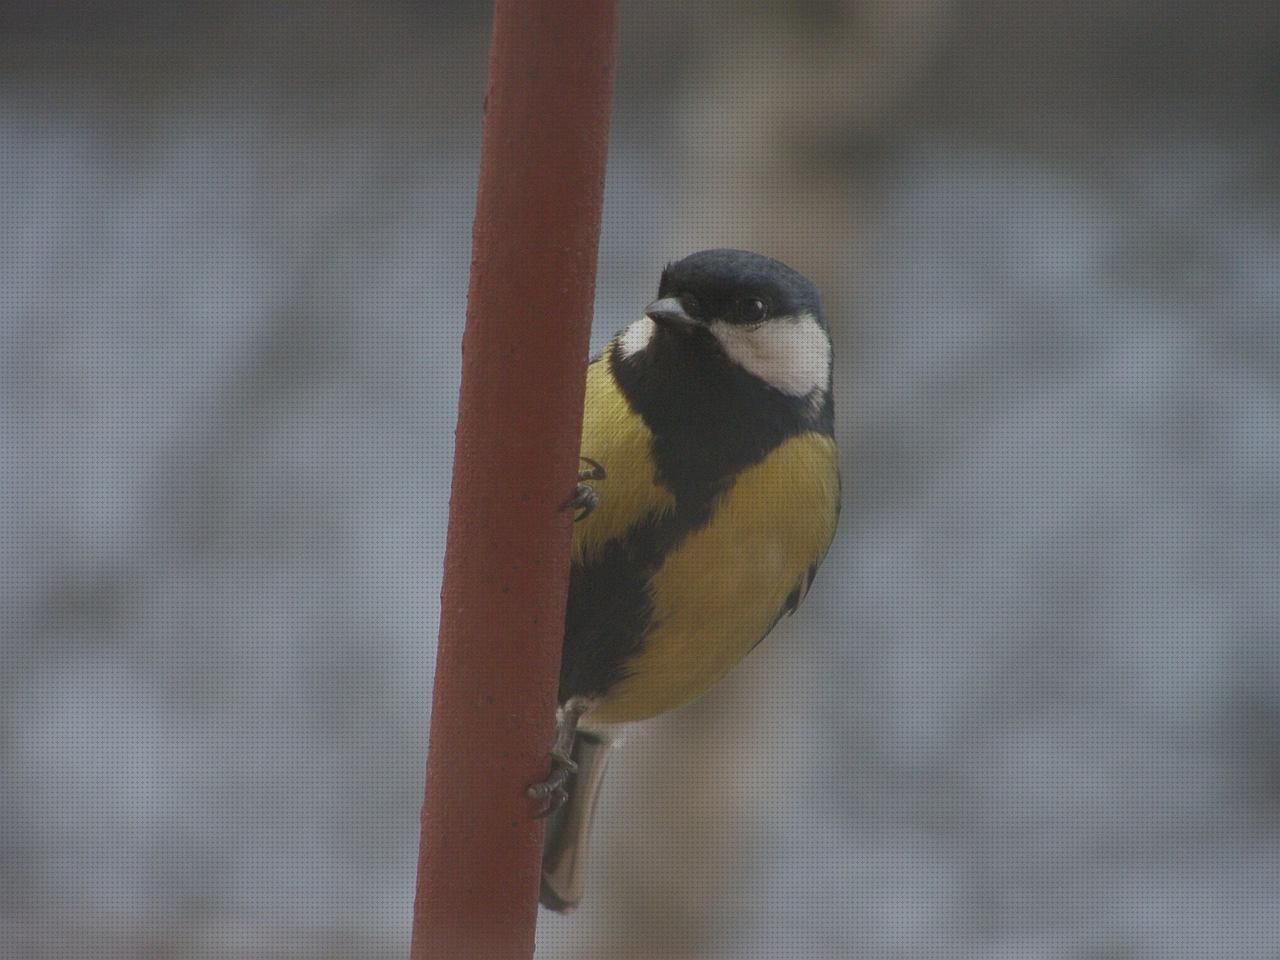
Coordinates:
752 310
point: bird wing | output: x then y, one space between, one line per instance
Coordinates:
797 593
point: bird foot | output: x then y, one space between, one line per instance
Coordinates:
585 499
553 789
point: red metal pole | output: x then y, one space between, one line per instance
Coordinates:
506 562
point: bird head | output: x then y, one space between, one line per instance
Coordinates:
761 314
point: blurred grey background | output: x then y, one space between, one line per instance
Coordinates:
1032 706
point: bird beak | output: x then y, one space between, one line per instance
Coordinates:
669 312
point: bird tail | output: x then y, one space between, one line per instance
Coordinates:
564 851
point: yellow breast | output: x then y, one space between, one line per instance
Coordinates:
615 435
716 595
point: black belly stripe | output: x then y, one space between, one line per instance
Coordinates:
709 420
610 610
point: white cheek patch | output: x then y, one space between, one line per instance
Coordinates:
636 337
792 355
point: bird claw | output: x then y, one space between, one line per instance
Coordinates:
594 470
585 499
555 800
553 789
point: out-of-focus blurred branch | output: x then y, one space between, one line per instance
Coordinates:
784 115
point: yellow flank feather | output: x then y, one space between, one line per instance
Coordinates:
722 588
616 437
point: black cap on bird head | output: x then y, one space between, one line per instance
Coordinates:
734 286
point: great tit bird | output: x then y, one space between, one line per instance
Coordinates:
710 497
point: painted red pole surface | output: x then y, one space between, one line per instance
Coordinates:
506 562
